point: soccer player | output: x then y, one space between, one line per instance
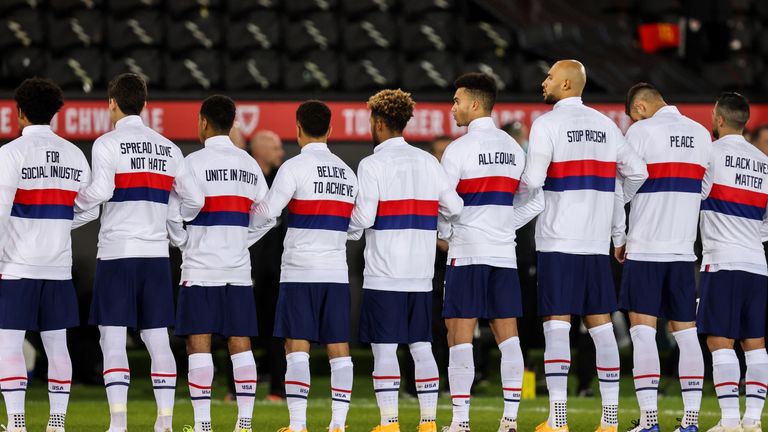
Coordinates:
319 190
403 191
481 281
40 175
133 171
734 276
214 193
659 274
574 154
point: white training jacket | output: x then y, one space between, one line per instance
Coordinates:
214 194
484 166
403 191
734 221
574 154
133 172
40 176
319 190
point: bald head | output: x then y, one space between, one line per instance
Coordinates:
643 100
566 78
267 149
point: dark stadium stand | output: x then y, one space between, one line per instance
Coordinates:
329 46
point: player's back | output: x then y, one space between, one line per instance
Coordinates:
144 165
734 207
400 246
583 146
217 246
665 210
50 171
487 164
318 216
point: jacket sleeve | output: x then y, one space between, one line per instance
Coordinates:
450 205
255 233
83 217
619 220
630 166
366 202
527 205
276 199
102 185
10 166
540 148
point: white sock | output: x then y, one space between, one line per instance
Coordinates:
386 381
117 376
607 371
461 374
297 382
59 374
163 368
646 372
427 379
726 375
342 374
691 372
13 375
512 368
246 377
557 363
200 377
756 383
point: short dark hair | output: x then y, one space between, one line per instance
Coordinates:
129 91
483 86
639 89
220 111
39 99
314 117
734 108
394 107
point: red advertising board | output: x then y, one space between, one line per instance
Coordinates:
84 120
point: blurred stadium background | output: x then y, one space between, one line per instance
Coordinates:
269 55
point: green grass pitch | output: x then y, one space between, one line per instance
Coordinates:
88 410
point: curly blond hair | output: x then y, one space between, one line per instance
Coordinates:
395 107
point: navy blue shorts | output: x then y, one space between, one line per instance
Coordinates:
660 289
571 284
732 304
316 312
482 291
133 292
395 317
227 310
38 305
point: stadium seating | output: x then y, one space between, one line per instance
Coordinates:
356 45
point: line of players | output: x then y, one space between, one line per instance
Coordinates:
579 173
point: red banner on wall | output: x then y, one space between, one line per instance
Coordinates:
84 120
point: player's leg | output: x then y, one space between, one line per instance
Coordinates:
59 376
512 368
200 378
384 324
427 378
163 372
461 368
608 368
756 382
245 376
342 375
13 377
117 375
426 375
646 370
726 374
690 369
297 382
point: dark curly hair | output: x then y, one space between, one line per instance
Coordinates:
314 117
39 99
480 85
220 112
395 107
